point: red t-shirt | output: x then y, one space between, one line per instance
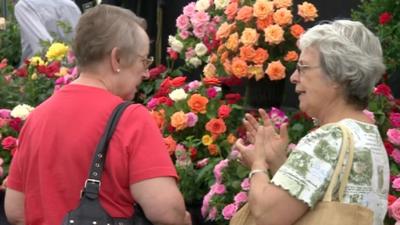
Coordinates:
56 147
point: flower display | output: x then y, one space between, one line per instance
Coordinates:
382 17
258 38
199 125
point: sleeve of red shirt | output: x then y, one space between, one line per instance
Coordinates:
148 156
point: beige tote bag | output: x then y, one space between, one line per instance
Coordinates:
326 212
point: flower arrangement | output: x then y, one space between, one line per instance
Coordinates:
258 38
382 17
199 125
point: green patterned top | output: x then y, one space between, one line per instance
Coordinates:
308 170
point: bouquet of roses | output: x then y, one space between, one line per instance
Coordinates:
258 38
199 125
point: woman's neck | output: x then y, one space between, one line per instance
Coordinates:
92 80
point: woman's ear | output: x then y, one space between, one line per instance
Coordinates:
115 60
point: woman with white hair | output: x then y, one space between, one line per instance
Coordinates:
339 64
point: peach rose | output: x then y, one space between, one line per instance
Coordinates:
223 31
231 10
260 56
283 17
247 53
263 8
212 149
239 67
283 3
262 24
233 42
249 36
216 126
179 120
213 58
274 34
159 117
227 67
231 139
171 144
307 11
224 56
296 30
291 56
209 70
257 71
275 70
245 14
198 103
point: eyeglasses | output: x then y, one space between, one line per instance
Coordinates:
147 61
301 68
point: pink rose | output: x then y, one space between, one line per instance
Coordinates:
156 71
229 211
278 117
199 19
5 113
200 31
394 136
189 9
245 184
184 34
212 214
202 163
192 119
370 115
152 104
224 111
211 92
240 197
194 85
396 184
182 22
9 142
395 119
396 156
218 189
394 210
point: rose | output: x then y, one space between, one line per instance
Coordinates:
240 197
56 51
275 70
383 89
394 119
394 136
178 94
200 49
396 184
156 71
198 103
21 111
229 211
9 143
175 44
179 120
394 210
216 126
385 18
307 11
224 111
395 155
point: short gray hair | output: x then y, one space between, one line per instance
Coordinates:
350 54
104 27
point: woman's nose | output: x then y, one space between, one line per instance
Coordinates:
146 75
294 78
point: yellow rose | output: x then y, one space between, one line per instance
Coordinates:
36 61
209 70
207 140
257 71
233 42
63 71
56 51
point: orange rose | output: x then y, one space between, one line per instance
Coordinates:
262 24
307 11
233 42
231 9
178 81
224 56
249 36
247 53
223 31
198 103
283 17
257 71
260 56
212 149
274 34
171 144
211 81
239 67
296 30
216 126
231 139
283 3
159 117
245 14
213 58
275 70
291 56
209 70
179 120
227 67
221 49
262 8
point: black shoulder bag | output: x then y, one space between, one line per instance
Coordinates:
89 211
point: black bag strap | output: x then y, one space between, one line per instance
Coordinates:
92 184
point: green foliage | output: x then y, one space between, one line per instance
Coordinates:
388 30
10 39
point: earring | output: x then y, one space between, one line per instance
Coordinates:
118 70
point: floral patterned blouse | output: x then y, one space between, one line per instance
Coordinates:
308 170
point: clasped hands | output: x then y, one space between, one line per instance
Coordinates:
267 146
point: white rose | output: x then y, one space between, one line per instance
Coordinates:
217 89
178 94
21 111
200 49
2 23
196 62
221 4
175 44
202 5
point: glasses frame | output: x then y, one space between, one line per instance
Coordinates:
300 67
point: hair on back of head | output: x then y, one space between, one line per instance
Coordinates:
104 27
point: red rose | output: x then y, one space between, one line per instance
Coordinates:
165 100
178 81
224 111
15 124
232 98
385 18
3 63
391 199
9 143
384 90
52 69
172 54
388 146
231 81
156 71
21 72
394 119
211 81
193 152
